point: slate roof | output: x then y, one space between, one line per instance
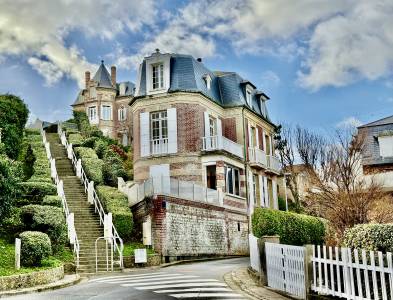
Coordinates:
227 88
130 88
384 121
102 77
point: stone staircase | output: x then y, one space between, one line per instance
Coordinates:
87 224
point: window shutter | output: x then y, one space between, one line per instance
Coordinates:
267 202
172 130
219 133
261 190
145 133
257 137
271 145
206 119
260 138
275 198
250 191
247 139
118 115
264 143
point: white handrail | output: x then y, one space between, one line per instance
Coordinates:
96 201
61 194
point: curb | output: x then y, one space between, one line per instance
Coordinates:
65 282
189 261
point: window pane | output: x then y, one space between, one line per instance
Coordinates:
230 180
237 182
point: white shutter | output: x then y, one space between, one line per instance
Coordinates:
257 137
219 133
275 198
118 115
250 192
271 145
261 190
267 202
145 133
264 142
206 119
172 130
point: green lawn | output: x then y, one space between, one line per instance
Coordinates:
131 246
7 260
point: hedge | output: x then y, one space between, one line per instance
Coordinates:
113 168
75 139
36 191
100 147
117 203
93 169
35 246
84 152
89 142
52 200
293 229
377 237
47 219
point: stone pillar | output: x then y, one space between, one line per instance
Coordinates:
79 168
220 176
90 192
261 245
113 76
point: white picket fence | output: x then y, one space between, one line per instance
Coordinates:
285 266
352 274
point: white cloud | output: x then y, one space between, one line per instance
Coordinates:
39 28
270 79
349 123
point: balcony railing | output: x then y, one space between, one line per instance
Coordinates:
212 143
257 156
159 146
274 163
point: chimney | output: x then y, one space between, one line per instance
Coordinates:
87 79
199 59
113 75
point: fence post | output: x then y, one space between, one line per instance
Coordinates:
53 168
17 253
79 168
308 275
262 254
69 151
90 189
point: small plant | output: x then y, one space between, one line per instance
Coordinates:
35 246
52 200
75 139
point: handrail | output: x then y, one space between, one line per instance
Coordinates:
61 194
98 208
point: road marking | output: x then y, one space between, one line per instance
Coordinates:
181 285
204 295
169 281
200 289
129 276
133 280
153 277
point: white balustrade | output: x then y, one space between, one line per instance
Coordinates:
274 163
257 156
213 143
159 146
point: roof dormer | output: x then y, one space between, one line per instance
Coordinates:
208 80
157 73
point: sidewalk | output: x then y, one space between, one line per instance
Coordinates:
68 280
240 280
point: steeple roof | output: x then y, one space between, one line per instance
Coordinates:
102 76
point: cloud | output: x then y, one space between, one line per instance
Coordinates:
270 79
348 123
37 30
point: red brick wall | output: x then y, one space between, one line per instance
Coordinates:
229 128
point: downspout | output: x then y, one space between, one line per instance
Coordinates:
245 168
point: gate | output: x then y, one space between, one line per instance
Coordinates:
285 268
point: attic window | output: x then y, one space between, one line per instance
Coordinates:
158 76
208 81
248 96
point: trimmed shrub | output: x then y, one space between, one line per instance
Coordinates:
89 142
35 246
100 147
32 131
52 201
47 219
12 224
377 237
293 229
36 191
115 202
93 169
84 152
75 139
113 167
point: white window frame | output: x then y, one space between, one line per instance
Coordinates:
249 96
254 186
122 113
385 146
157 59
208 81
232 171
160 76
104 117
159 143
89 114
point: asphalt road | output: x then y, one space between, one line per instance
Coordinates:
203 280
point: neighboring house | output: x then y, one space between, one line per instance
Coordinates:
106 103
209 128
377 155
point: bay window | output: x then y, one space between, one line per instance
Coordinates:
232 180
106 112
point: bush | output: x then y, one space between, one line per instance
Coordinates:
89 142
47 219
93 169
52 201
115 202
293 229
36 191
84 152
377 237
12 224
100 147
113 167
75 139
35 246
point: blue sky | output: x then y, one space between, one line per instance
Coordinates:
323 63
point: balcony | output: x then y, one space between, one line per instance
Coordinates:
274 164
217 143
257 158
159 146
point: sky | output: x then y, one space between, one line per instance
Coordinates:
325 64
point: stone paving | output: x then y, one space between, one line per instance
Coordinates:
240 280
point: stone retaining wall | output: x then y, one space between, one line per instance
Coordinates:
152 260
22 281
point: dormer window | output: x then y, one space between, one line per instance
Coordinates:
248 96
208 81
158 76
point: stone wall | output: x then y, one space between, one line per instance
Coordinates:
22 281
